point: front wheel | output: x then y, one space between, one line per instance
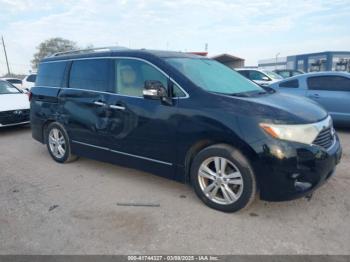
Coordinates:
223 178
58 144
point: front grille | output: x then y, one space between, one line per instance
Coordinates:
14 116
324 138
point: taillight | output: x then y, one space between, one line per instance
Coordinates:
30 95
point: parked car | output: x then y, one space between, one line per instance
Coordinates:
330 89
184 117
28 81
14 105
15 81
261 77
285 73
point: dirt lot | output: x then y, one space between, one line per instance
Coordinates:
50 208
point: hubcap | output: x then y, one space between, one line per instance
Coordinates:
57 143
220 180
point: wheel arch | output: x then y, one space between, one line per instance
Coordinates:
198 146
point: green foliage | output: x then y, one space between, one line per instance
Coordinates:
51 46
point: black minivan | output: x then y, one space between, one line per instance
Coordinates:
184 117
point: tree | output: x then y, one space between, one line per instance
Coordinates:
51 46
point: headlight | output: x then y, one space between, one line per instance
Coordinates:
298 133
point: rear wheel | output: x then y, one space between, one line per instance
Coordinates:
223 178
58 144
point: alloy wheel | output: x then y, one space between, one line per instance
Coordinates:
220 180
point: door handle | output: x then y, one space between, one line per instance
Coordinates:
98 103
315 95
117 107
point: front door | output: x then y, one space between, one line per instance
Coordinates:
142 131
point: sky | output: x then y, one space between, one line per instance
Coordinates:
250 29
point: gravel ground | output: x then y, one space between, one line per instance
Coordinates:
50 208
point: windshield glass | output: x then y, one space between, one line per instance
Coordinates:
6 88
213 76
273 75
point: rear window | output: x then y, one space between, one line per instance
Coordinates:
91 74
329 83
51 74
290 84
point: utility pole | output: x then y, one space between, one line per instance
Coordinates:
276 59
7 62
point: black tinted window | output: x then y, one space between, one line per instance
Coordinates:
291 84
330 83
244 73
14 81
51 74
90 74
31 78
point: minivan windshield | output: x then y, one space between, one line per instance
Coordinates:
213 76
6 88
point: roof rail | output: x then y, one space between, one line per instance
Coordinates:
90 50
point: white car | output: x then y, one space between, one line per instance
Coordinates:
15 81
28 81
261 77
14 105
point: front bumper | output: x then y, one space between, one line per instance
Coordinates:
288 170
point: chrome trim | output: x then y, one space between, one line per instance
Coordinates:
22 123
125 57
86 144
123 153
99 103
117 107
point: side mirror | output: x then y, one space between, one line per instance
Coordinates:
154 89
265 78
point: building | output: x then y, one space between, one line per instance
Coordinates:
229 60
313 62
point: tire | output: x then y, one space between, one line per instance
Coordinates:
233 187
62 153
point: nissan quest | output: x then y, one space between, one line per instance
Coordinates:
183 117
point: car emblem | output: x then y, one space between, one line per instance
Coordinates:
18 112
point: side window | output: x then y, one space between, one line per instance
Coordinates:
329 83
51 74
31 78
130 76
256 75
177 92
90 74
290 84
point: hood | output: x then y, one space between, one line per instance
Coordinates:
13 101
275 108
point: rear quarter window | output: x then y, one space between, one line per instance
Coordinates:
51 74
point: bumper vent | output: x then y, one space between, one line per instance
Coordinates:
325 138
14 116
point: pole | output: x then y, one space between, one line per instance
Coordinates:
7 62
276 59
